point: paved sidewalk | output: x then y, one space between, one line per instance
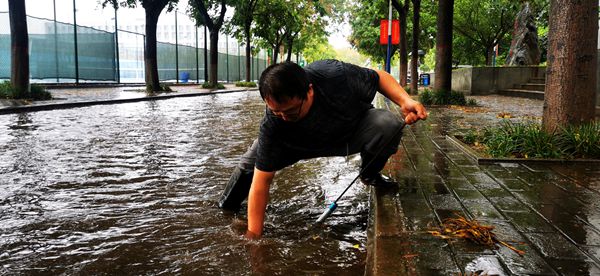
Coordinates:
552 212
78 97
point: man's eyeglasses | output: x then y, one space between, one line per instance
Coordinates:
290 114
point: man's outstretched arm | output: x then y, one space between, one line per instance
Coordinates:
257 202
411 109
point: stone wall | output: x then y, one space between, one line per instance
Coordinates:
488 80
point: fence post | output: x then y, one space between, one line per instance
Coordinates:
205 58
239 62
75 42
197 61
227 57
56 43
176 50
117 46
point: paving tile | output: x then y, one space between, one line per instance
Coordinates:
468 194
468 169
504 231
481 209
459 183
593 251
574 267
495 192
435 257
415 207
444 201
514 184
477 264
529 264
421 224
509 204
529 222
434 188
556 246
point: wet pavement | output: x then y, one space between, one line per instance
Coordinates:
550 211
88 96
153 219
131 189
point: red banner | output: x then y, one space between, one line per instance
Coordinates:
383 32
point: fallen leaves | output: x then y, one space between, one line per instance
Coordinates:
457 228
504 115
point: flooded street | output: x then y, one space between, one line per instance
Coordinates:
132 189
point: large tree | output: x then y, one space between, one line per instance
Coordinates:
240 26
572 61
211 13
153 9
273 32
485 23
443 47
19 42
364 21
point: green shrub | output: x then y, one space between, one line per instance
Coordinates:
471 102
499 142
471 137
165 87
37 92
207 85
440 97
426 97
581 141
536 143
245 84
6 91
529 140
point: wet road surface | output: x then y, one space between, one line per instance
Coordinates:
132 189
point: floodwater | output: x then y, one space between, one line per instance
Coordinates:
132 189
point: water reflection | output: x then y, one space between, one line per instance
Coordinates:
132 188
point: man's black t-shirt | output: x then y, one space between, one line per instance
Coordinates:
342 94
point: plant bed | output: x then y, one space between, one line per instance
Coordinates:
527 142
482 158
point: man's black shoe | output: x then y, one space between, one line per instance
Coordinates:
378 181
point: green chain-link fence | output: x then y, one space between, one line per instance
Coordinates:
54 56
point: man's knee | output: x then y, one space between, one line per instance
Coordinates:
388 123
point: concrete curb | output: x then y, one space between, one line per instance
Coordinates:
67 105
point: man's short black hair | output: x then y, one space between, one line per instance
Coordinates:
283 81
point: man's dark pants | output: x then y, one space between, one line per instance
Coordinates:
376 138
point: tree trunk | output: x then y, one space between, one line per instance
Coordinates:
289 50
489 55
150 63
572 57
403 47
443 47
248 57
205 57
414 83
19 42
214 58
275 54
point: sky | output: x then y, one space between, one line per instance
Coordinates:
89 13
339 36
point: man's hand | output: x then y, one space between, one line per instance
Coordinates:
413 111
257 202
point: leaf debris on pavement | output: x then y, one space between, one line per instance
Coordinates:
456 228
